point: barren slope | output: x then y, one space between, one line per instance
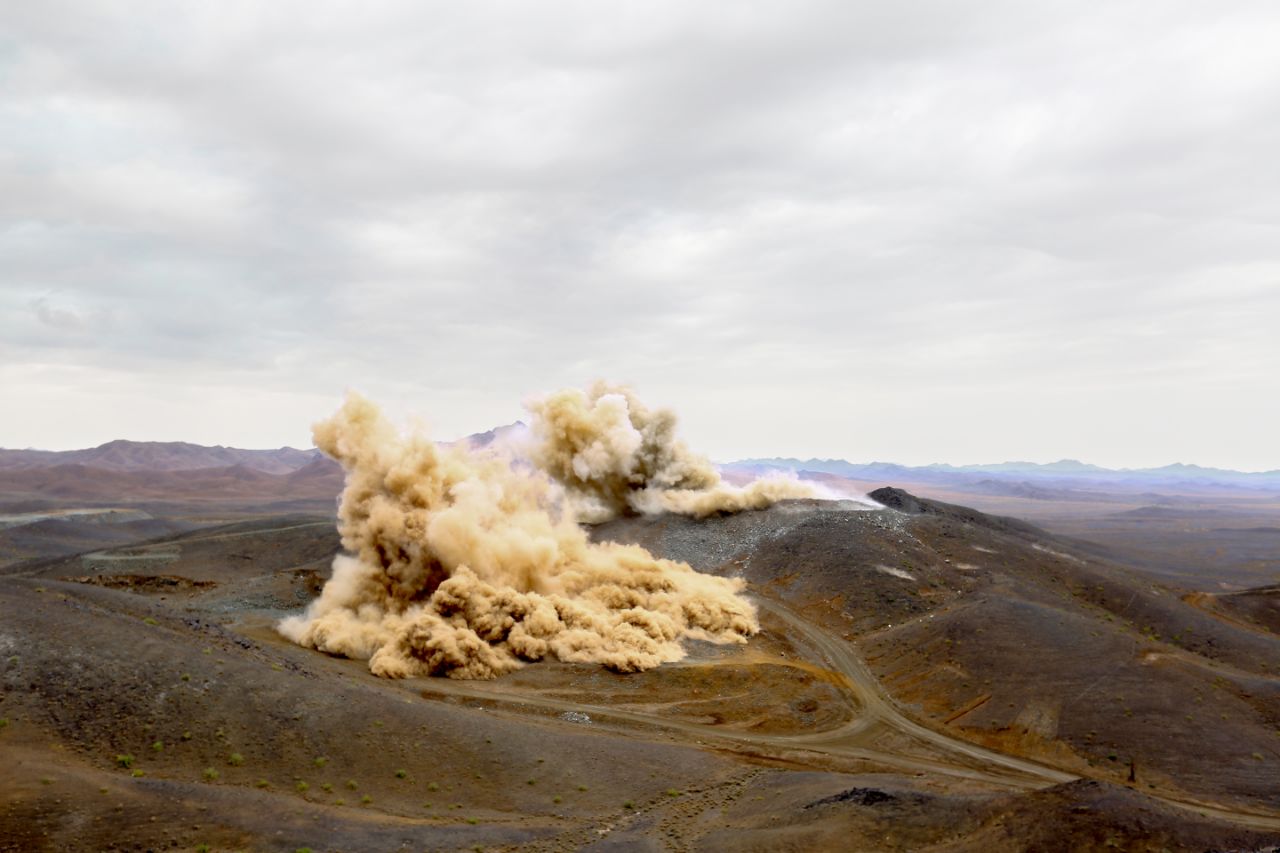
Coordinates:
1004 635
239 740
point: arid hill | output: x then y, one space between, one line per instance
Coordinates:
928 677
1009 637
122 455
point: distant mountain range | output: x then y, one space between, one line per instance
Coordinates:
1025 478
142 470
124 455
130 471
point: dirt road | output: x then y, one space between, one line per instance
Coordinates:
856 739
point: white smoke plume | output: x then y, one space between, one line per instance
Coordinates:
614 456
463 564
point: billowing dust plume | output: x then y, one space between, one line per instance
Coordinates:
464 564
614 456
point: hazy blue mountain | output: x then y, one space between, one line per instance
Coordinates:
1026 479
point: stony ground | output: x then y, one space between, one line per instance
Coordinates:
146 704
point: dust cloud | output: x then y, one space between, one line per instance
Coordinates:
614 456
464 563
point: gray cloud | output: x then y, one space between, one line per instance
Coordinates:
930 231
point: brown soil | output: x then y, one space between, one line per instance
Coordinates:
178 718
147 583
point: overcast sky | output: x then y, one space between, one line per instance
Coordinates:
912 231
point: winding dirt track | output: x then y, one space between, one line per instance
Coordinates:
856 739
1203 601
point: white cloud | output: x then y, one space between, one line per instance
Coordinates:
941 231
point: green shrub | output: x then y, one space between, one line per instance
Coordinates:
320 762
366 799
125 761
628 805
326 787
262 783
186 735
302 787
402 774
158 746
235 759
137 774
432 786
210 774
351 784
